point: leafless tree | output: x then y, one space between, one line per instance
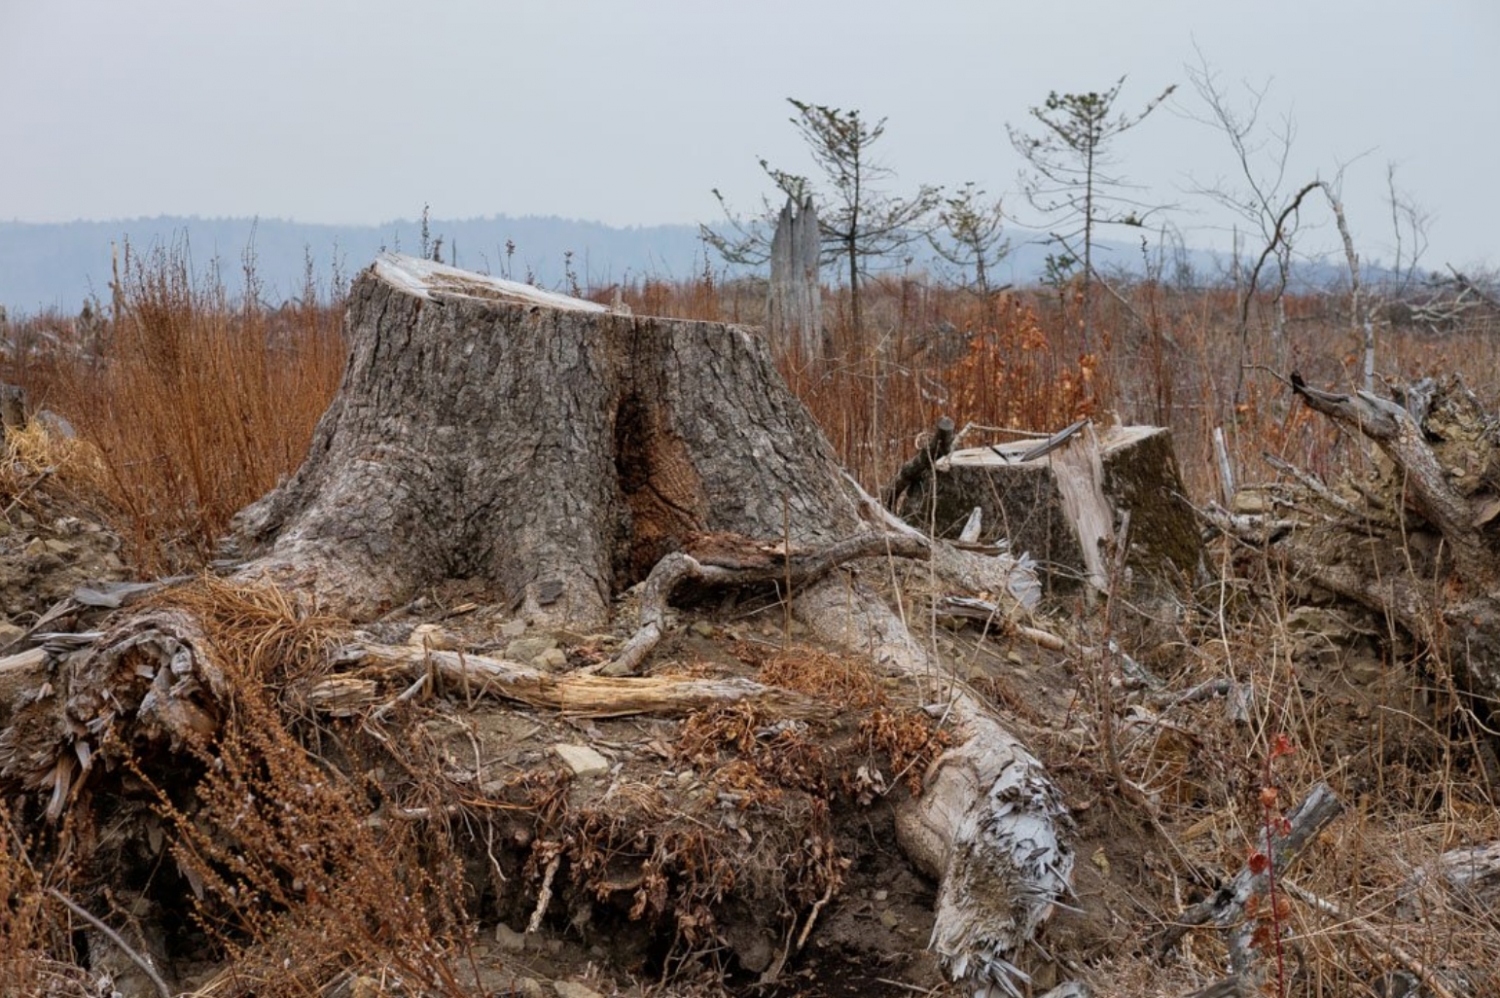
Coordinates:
971 236
1257 193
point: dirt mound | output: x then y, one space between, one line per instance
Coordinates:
52 542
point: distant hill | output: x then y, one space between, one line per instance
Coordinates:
58 265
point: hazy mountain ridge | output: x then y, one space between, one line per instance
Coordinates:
45 265
59 265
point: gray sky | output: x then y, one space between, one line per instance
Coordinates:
630 112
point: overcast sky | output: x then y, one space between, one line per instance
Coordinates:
631 112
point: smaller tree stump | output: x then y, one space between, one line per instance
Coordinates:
1032 501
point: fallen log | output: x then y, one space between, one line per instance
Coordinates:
1419 542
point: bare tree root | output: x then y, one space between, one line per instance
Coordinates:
990 825
745 563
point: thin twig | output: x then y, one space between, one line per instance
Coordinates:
114 937
544 896
410 692
1374 935
812 916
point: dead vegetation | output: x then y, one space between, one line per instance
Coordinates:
359 825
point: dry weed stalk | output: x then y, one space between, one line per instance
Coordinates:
294 875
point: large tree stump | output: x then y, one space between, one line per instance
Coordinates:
543 444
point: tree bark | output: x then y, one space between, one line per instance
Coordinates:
557 452
1058 501
543 445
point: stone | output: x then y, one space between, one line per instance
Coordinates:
513 628
10 633
703 628
582 760
527 649
552 659
56 426
572 989
509 939
528 987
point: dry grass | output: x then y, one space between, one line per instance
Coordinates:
197 405
295 880
194 404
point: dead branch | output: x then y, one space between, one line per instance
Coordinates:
1394 431
114 937
939 443
589 695
1313 485
754 564
1227 907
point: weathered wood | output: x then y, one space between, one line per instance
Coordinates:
1022 502
705 565
939 442
585 695
1079 472
990 826
1426 482
1229 907
555 452
794 297
538 443
1419 541
20 674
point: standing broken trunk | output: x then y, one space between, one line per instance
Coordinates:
794 302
